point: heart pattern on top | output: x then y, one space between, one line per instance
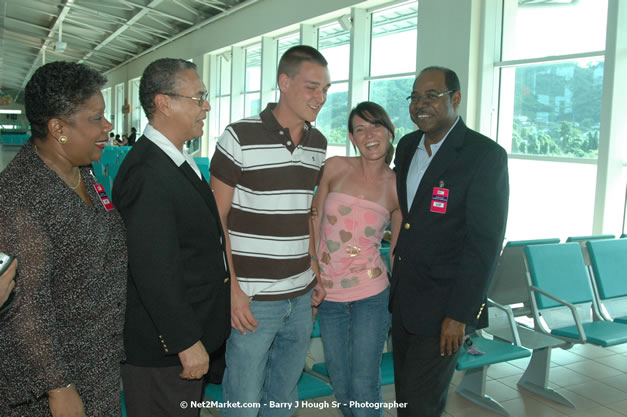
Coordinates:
333 245
349 283
374 272
326 258
369 231
344 210
332 219
345 236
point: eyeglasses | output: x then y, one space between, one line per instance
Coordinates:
427 98
201 100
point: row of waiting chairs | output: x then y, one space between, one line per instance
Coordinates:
556 295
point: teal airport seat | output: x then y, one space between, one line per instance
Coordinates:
509 285
609 268
563 301
123 404
582 240
509 306
473 384
107 168
203 165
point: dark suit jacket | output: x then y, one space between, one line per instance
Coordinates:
178 291
443 262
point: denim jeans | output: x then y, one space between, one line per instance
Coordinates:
353 336
265 365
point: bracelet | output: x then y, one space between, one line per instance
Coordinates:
314 258
55 391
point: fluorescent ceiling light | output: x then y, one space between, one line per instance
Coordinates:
10 111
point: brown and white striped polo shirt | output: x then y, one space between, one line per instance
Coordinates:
274 183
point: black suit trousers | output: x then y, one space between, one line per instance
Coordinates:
421 375
159 392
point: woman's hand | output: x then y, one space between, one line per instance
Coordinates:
7 283
65 402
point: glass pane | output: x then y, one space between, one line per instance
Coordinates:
119 102
390 94
394 41
106 95
253 68
332 118
334 44
284 43
224 112
252 103
563 206
552 109
536 29
225 75
136 109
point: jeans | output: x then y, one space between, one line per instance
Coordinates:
264 366
353 336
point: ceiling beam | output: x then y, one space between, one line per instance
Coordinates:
47 42
133 20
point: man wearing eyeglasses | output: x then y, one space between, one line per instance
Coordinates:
178 305
452 184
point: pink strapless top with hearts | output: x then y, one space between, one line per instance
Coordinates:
350 238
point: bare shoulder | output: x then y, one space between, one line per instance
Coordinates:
390 187
336 164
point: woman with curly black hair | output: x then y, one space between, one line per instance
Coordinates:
61 335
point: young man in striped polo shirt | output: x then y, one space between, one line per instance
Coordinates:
263 174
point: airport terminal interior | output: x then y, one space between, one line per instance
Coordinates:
540 77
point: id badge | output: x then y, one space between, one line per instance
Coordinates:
104 198
439 200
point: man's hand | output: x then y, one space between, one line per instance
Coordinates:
317 296
242 318
65 402
451 336
7 283
195 361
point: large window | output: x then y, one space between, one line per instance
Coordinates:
551 77
334 44
252 81
393 61
138 117
120 100
106 95
553 108
550 80
223 98
282 45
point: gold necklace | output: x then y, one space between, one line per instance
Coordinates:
80 176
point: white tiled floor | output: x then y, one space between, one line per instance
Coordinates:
593 378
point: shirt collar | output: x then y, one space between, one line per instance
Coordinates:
436 146
178 157
271 123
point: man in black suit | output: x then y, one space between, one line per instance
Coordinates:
178 308
452 184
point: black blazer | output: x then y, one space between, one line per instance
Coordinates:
443 262
178 290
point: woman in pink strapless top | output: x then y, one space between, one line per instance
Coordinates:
355 201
